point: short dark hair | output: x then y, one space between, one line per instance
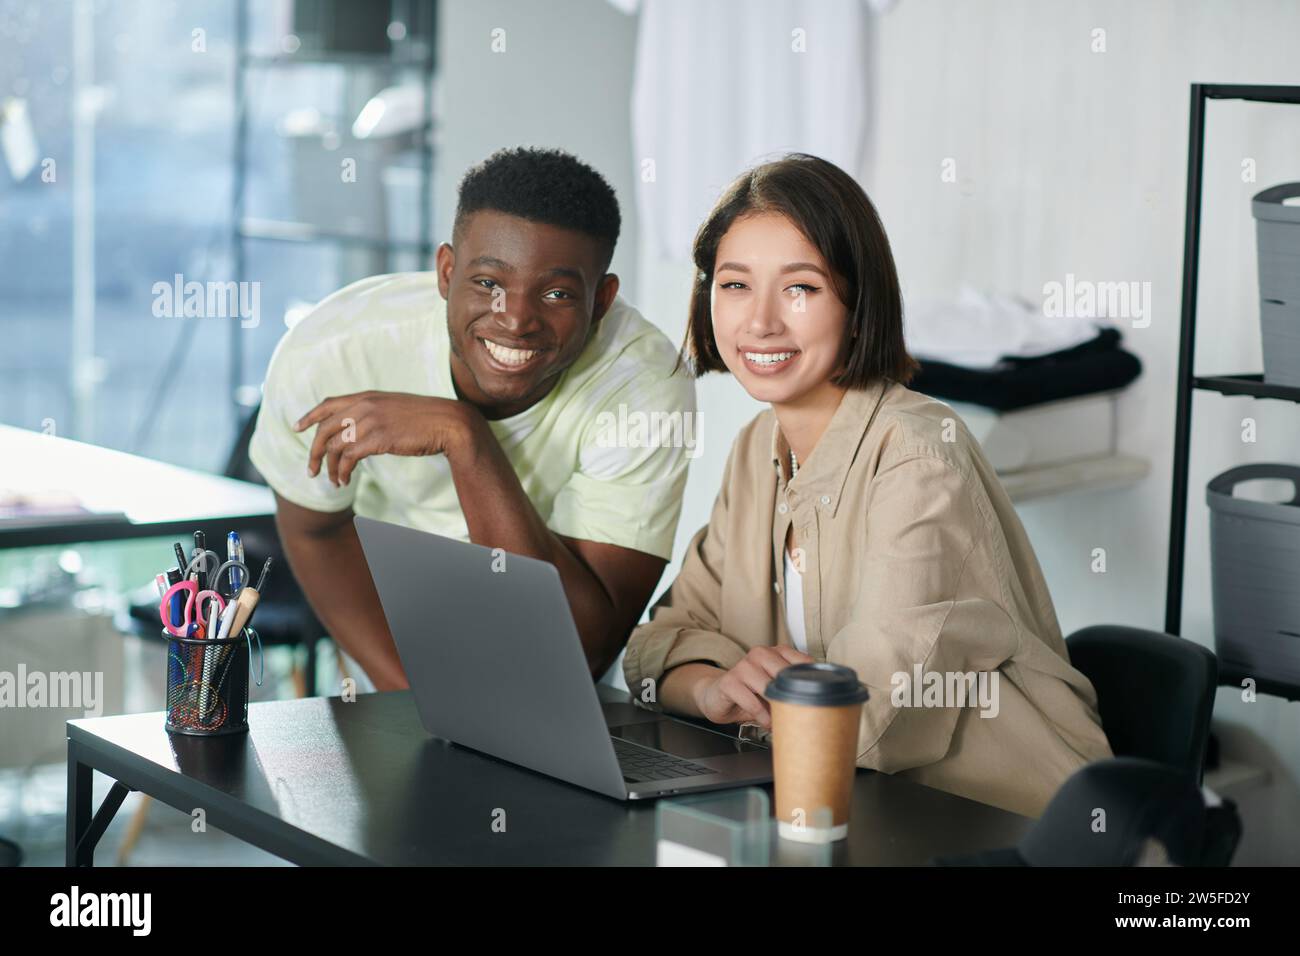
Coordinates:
542 185
828 206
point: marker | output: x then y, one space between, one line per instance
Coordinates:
201 545
174 577
227 616
208 658
165 580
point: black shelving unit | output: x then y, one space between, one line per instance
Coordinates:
245 228
1251 384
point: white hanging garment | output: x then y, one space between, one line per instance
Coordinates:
724 85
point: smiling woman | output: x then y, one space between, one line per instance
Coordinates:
859 523
815 230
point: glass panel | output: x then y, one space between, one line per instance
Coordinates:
129 109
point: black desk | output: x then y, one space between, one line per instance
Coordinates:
321 781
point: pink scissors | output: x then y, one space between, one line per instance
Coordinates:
192 616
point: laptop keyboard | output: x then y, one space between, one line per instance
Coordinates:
641 765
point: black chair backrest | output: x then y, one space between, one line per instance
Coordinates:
283 587
1155 692
238 465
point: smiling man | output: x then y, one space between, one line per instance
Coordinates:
466 402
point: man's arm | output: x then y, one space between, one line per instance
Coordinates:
325 554
607 586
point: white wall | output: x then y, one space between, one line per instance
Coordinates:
564 80
1076 163
1068 161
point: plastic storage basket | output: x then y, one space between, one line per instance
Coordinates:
1277 233
1255 575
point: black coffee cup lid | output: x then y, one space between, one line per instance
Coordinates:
820 685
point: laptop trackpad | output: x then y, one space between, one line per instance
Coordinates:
682 740
619 714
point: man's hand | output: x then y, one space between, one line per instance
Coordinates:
736 696
353 427
607 586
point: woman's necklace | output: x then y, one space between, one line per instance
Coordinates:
794 464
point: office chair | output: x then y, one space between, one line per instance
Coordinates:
1155 692
11 854
1156 816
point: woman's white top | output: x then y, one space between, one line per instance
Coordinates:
794 603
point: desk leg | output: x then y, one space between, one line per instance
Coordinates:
80 794
83 831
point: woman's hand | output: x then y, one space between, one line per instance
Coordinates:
736 696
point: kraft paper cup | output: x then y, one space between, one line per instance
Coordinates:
816 710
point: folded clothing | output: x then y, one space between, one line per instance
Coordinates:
978 329
1097 365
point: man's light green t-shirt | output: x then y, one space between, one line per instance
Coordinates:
584 454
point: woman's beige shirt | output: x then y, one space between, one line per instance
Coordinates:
916 570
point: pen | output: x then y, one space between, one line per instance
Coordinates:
182 562
247 600
261 579
234 552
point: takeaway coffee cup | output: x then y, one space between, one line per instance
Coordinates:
815 714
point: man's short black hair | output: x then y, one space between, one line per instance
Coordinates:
542 185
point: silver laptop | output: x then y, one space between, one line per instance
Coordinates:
494 662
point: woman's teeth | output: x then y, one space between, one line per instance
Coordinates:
767 358
508 356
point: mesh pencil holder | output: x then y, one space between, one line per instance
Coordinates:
207 683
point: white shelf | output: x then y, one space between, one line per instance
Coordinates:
1086 474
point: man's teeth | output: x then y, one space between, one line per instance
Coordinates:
768 358
507 356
